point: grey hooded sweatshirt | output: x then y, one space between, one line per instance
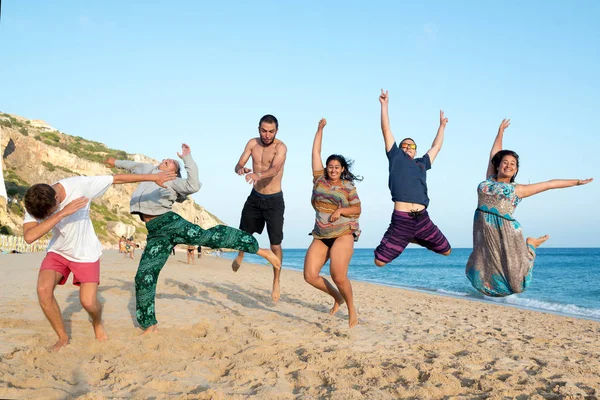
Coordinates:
151 199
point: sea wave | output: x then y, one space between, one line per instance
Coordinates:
451 292
566 309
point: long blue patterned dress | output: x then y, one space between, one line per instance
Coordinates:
501 263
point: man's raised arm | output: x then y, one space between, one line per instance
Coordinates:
436 146
388 137
192 183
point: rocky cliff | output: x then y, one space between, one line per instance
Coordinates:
33 152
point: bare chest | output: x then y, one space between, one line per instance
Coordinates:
263 156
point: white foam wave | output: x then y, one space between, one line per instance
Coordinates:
569 309
453 293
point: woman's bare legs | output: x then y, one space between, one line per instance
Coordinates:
316 256
341 253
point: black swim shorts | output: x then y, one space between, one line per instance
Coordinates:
264 208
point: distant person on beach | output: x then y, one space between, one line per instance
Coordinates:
337 208
190 254
265 203
130 247
199 251
122 244
64 209
167 229
502 260
408 186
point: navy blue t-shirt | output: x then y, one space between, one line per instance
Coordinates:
408 177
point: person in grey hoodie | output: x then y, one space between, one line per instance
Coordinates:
166 229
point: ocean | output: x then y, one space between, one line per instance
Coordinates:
565 280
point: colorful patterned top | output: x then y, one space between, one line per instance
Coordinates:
326 198
497 198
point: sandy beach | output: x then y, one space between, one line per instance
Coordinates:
221 337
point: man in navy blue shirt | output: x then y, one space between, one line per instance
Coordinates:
408 185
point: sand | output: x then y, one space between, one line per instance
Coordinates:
221 337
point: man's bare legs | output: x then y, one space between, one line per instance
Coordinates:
88 295
276 293
316 256
341 253
47 281
270 257
275 249
237 263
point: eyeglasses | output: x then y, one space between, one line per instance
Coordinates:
408 146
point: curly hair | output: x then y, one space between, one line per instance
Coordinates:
346 164
40 200
497 159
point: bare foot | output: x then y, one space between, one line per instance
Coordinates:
353 318
270 257
379 263
336 306
149 330
237 263
537 242
60 344
276 293
100 332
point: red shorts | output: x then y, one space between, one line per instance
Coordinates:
83 272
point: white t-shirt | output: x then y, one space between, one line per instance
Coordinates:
74 237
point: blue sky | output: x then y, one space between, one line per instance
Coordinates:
146 76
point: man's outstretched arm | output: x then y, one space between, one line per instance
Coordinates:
388 137
436 146
132 166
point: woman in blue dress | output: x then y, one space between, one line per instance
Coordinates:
501 263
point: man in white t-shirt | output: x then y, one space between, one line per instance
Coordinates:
64 209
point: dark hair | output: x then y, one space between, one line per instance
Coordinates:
497 159
407 138
269 119
346 164
40 200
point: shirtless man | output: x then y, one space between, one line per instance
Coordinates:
167 229
265 203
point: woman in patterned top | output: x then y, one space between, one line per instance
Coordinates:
337 208
502 259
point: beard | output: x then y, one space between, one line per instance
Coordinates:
266 144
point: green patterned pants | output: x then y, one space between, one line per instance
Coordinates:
166 231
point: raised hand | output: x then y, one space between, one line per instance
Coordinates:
163 177
383 97
243 171
185 150
74 206
322 124
443 121
503 125
584 181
